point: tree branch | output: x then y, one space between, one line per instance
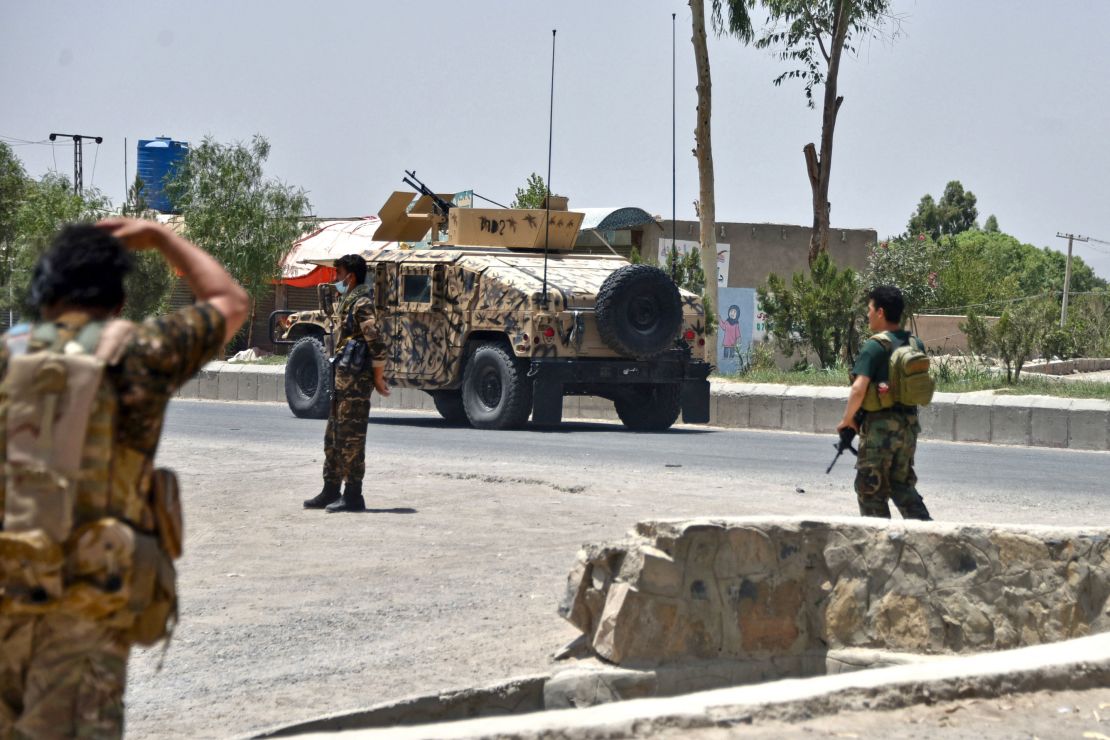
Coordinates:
816 31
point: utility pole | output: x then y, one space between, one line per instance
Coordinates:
1067 274
78 163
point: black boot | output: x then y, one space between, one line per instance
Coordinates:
329 495
352 499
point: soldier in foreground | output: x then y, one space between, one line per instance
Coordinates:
89 527
888 430
359 366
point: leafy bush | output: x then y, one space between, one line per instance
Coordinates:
1015 337
819 312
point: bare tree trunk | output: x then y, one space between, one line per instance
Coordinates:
706 203
820 168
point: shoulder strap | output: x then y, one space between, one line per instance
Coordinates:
113 340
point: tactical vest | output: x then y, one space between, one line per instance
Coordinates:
87 526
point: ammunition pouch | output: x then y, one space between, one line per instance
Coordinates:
353 358
31 566
107 571
165 504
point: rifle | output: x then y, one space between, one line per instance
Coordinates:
441 205
847 434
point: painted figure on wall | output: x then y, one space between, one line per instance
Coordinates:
730 331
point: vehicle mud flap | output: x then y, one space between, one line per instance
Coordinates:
695 401
547 402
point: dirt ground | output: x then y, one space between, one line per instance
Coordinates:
451 581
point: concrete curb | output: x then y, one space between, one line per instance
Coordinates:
1078 664
1036 421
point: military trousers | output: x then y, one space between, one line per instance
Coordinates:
884 467
61 676
345 435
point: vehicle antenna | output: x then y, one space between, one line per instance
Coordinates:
478 195
674 158
547 200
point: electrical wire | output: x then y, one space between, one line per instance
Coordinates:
96 155
1003 301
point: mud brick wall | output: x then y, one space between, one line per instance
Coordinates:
754 588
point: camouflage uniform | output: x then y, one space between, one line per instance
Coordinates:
345 435
63 675
887 444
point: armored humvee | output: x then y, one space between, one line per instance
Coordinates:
496 328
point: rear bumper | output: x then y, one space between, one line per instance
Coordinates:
553 379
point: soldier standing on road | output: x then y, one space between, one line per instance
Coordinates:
888 437
359 366
88 527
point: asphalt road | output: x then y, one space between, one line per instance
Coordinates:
1068 486
453 579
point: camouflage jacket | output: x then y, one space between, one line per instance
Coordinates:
164 353
157 358
357 317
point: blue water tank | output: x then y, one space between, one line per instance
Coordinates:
158 158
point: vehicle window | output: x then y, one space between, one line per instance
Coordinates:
416 288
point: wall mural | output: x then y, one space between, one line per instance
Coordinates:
739 323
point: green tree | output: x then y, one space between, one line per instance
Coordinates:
984 269
48 204
818 312
13 185
912 264
954 214
149 284
532 194
244 219
991 226
811 36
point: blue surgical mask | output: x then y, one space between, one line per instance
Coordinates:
341 286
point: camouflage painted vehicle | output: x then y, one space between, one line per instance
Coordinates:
496 332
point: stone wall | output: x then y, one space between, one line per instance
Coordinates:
754 589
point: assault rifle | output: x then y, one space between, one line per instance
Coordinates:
847 434
441 205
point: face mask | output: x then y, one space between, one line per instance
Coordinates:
341 286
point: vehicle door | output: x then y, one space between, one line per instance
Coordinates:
420 331
386 299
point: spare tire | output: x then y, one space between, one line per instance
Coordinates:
308 379
639 311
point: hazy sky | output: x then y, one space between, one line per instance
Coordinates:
1011 97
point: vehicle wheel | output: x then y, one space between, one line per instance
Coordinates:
308 379
496 390
639 311
449 404
649 408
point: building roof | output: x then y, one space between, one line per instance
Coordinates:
328 242
611 219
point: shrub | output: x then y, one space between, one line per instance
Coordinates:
819 312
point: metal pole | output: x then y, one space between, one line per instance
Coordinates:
674 152
78 174
547 200
78 170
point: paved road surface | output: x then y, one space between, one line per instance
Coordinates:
453 580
